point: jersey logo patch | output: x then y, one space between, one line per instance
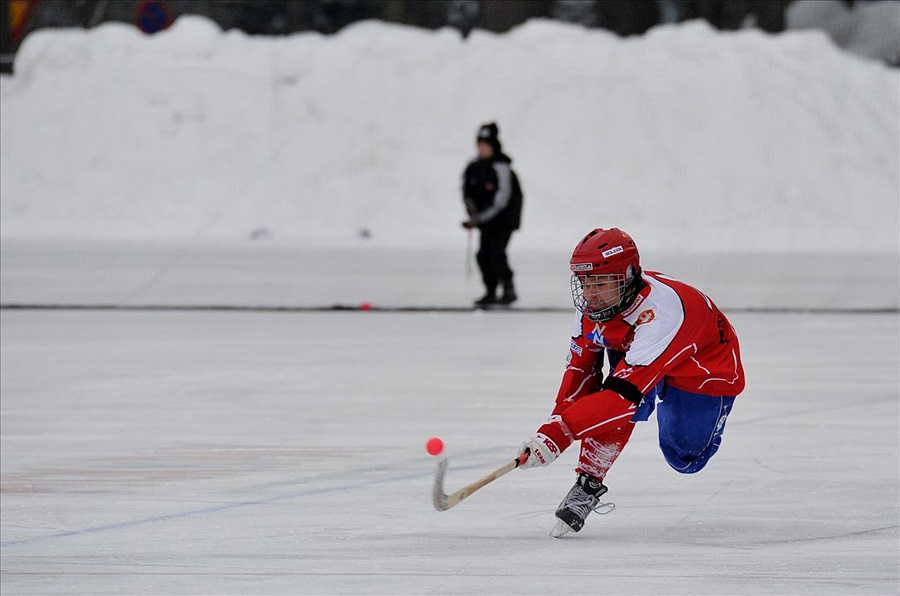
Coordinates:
645 317
634 307
576 348
596 336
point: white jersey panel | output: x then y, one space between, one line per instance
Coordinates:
656 321
576 328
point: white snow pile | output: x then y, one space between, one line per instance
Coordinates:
691 139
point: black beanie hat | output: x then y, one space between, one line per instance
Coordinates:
489 134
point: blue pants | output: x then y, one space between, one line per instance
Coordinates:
690 425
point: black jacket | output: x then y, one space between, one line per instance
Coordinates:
492 193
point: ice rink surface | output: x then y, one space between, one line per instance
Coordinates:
283 453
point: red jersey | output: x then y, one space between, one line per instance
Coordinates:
671 331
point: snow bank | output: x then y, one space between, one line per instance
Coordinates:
692 139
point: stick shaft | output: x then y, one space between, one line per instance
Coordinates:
469 255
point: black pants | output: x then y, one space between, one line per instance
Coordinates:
492 256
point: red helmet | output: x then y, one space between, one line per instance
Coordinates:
606 273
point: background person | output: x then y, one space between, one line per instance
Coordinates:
493 201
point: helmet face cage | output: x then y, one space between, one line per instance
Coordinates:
601 297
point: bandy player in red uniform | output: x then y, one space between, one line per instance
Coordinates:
666 342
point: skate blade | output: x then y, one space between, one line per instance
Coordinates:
560 529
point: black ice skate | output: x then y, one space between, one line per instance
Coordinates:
488 300
583 498
509 294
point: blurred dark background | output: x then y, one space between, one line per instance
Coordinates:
273 17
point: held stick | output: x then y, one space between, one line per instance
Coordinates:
469 255
443 502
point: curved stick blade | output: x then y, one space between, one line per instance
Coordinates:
443 501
